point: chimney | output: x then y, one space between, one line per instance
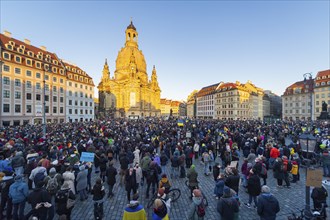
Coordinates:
43 48
7 34
27 41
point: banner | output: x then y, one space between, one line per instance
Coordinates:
87 157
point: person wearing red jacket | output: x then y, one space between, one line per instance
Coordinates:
274 153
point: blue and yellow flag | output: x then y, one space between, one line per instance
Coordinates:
180 123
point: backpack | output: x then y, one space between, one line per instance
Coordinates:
39 177
166 185
263 169
52 185
200 209
286 166
151 173
175 161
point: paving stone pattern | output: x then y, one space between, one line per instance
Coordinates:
290 199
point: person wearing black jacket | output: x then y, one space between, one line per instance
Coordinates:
103 167
268 205
5 184
152 178
227 205
130 182
163 161
111 178
98 195
319 196
254 188
232 181
61 200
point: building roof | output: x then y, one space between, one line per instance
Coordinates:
71 68
300 87
208 90
322 78
131 26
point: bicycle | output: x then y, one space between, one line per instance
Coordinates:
173 194
206 203
315 214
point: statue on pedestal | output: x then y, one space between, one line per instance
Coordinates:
324 106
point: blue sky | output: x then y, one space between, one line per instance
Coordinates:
192 43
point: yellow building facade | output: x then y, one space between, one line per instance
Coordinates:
129 93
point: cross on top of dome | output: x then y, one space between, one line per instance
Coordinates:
131 26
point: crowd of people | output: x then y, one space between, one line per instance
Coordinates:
47 172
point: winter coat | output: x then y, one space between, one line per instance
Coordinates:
81 180
219 185
61 208
130 180
111 175
18 191
227 207
278 172
192 177
69 177
34 173
103 164
192 213
98 192
39 195
232 182
267 206
18 160
254 186
138 172
163 159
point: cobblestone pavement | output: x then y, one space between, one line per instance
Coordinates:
290 199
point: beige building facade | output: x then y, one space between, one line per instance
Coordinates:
321 92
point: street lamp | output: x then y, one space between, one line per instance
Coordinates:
309 75
307 143
44 101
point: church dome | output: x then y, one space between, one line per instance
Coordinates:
124 59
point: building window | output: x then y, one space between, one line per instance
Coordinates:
6 81
46 98
17 95
46 77
76 111
86 112
54 89
38 86
86 103
17 82
28 108
91 112
28 73
28 96
81 111
38 75
6 68
38 97
6 56
75 103
55 109
70 102
47 87
54 79
17 108
61 90
28 62
81 103
91 104
61 81
70 83
18 70
6 94
70 111
6 107
54 98
28 84
46 109
61 99
70 93
81 86
61 110
38 65
18 59
76 85
81 94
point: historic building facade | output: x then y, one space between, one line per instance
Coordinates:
297 101
129 93
191 104
205 102
321 92
33 82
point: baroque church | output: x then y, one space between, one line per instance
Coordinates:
129 93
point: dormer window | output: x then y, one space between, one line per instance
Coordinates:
12 43
76 77
55 62
74 70
38 65
322 83
70 76
61 72
81 79
317 84
324 77
9 47
20 50
30 53
79 71
39 56
54 70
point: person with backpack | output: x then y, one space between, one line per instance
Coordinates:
152 178
111 178
98 195
18 163
53 181
192 176
38 174
18 192
228 206
278 172
175 163
145 166
64 201
197 208
286 167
